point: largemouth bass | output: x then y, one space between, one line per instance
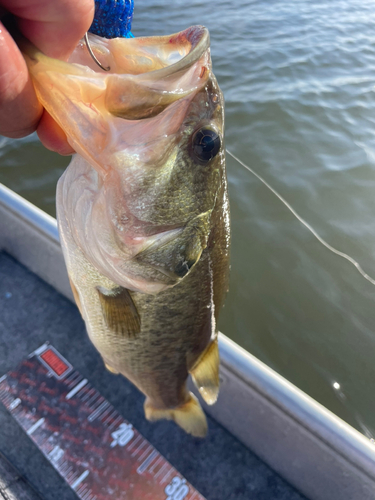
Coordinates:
143 209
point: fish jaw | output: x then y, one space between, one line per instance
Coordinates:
100 111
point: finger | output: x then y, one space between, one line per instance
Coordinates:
20 110
52 135
54 26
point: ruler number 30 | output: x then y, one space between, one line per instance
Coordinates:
177 489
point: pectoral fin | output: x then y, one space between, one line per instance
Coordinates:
120 312
205 373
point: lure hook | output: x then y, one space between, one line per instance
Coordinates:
93 55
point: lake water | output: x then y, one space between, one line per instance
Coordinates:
298 78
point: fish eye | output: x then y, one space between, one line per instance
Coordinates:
205 144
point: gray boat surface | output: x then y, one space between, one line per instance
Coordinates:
323 457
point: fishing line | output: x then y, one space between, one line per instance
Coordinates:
306 224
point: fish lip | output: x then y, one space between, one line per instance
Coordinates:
199 38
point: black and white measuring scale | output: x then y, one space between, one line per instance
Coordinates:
98 453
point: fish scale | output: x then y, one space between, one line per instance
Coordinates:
98 453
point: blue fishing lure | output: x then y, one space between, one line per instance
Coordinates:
113 18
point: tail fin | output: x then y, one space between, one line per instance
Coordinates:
188 416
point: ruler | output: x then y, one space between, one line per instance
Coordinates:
98 453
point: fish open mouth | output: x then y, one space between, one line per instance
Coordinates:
166 54
147 76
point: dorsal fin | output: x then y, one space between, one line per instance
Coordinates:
120 312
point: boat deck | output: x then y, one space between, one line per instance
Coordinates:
32 312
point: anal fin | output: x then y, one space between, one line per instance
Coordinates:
205 373
189 416
120 312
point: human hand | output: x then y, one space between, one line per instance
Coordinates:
54 27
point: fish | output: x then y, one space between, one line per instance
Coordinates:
143 210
